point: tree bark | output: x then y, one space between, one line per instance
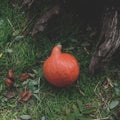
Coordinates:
109 41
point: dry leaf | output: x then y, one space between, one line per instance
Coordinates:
25 96
24 77
11 75
10 94
9 83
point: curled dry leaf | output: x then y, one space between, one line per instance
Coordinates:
24 76
9 83
11 75
25 96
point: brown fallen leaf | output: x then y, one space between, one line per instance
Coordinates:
11 75
24 77
25 96
9 83
10 94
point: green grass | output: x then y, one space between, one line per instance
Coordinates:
84 100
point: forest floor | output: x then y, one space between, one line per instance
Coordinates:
89 98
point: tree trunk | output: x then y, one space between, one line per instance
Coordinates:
109 41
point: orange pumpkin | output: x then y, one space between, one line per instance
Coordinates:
61 69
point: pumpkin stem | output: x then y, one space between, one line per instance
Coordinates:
56 50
